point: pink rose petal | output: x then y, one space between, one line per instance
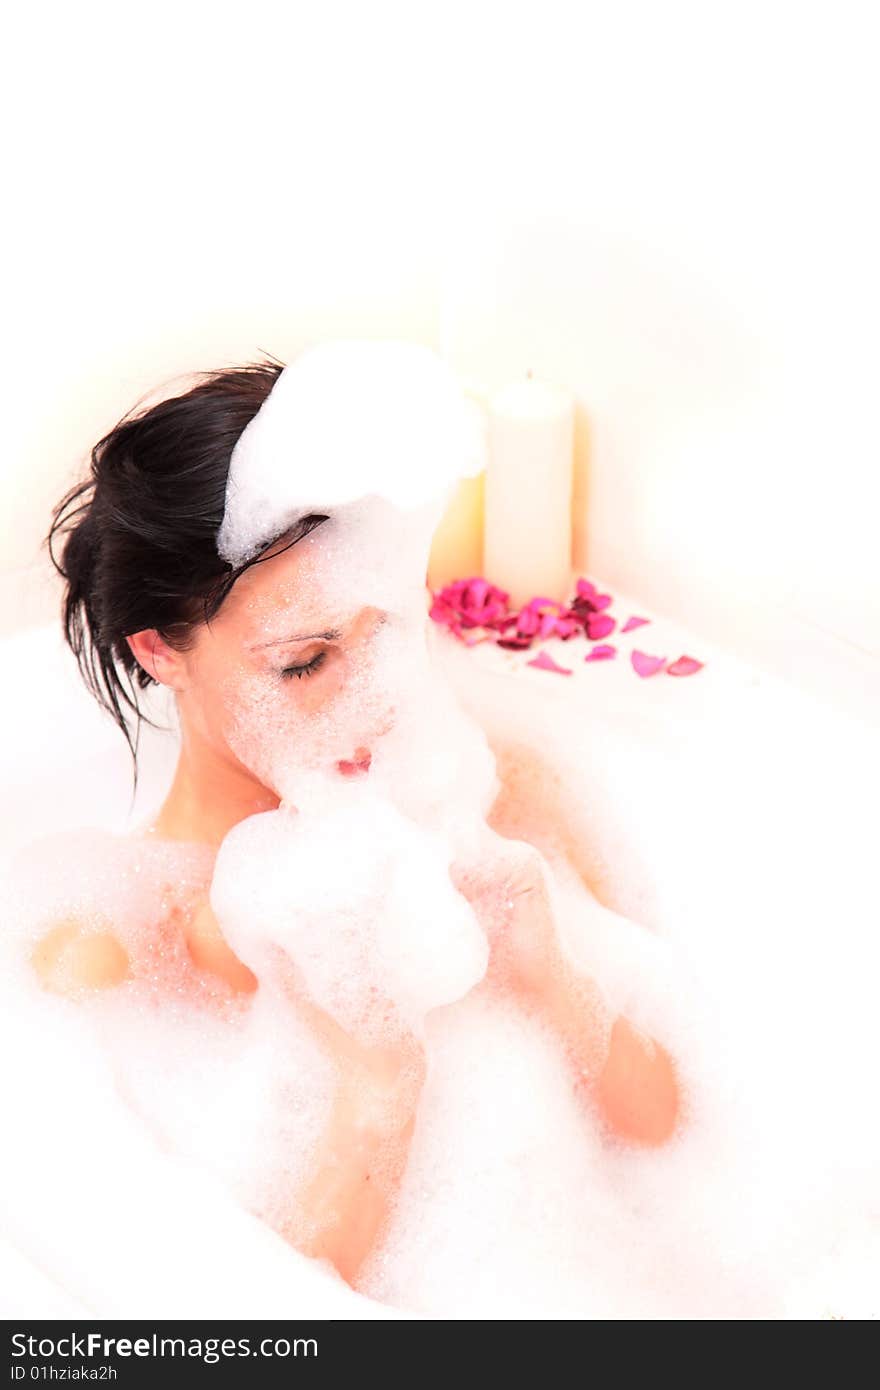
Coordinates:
601 653
540 601
684 666
441 612
528 622
589 595
470 603
632 623
599 625
543 662
645 665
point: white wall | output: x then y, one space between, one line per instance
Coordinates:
668 208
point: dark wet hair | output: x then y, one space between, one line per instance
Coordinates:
136 541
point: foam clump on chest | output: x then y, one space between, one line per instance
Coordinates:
360 900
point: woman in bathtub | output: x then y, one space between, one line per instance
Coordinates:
148 599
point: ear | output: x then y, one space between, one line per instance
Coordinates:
159 660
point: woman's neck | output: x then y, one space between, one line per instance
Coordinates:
208 796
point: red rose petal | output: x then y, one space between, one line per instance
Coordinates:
632 623
543 662
601 653
646 665
684 666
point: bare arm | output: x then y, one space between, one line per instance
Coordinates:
362 1154
360 1159
630 1077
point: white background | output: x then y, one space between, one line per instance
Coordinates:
668 209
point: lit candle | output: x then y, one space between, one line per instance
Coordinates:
527 522
457 546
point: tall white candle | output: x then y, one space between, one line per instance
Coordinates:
527 529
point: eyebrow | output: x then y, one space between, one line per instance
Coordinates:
332 635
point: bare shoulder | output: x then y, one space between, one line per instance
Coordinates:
89 905
75 955
53 890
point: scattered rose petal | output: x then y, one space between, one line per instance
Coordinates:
543 662
470 603
441 611
599 625
528 623
588 594
476 611
684 666
539 601
646 665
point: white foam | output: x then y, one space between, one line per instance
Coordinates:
706 847
361 901
159 1127
737 923
513 1207
350 418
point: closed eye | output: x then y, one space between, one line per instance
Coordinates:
307 669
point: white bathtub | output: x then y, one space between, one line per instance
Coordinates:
726 814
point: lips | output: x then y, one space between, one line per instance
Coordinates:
358 763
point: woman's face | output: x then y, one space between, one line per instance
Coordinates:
302 667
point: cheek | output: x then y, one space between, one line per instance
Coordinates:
205 699
318 695
279 727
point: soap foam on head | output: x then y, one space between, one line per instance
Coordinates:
348 418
